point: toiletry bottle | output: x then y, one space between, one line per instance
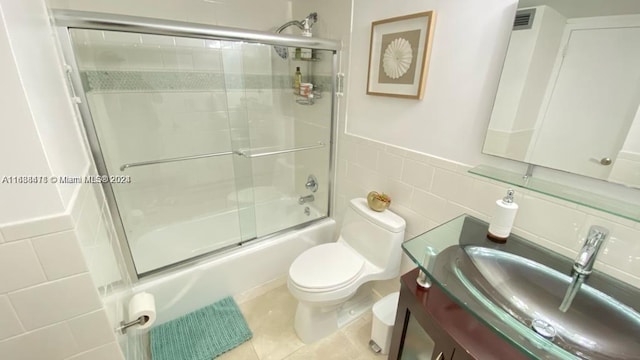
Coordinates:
502 221
297 79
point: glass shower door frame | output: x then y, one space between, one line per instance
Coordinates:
66 20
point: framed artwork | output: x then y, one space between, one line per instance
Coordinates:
399 55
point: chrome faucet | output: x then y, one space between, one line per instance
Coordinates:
312 183
305 199
583 265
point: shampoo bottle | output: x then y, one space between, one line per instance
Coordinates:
502 221
297 79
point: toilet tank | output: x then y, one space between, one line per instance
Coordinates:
375 235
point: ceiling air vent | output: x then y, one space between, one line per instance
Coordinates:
524 19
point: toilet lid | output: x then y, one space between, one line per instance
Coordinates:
326 266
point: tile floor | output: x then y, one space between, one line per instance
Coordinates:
270 317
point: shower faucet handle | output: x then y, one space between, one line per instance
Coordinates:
312 183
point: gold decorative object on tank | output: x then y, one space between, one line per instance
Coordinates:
378 202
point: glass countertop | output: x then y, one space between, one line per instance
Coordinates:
448 242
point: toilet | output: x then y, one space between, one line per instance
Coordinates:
324 277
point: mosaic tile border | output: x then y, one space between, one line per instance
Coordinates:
116 80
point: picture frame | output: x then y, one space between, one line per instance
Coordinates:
399 54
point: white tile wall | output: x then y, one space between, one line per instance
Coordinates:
10 325
19 266
49 305
432 190
414 173
45 225
55 301
60 254
88 331
52 343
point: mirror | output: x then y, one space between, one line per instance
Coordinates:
569 93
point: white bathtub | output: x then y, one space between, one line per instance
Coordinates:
184 240
186 289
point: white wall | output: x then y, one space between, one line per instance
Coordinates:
24 150
40 74
468 49
419 151
21 152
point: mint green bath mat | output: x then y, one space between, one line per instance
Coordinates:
201 335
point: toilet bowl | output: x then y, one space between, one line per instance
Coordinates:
324 277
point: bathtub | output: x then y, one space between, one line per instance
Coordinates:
190 287
184 240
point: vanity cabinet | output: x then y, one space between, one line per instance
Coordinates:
429 325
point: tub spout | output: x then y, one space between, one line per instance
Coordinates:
305 199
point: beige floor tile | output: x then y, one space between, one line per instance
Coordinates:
333 347
359 334
242 352
270 318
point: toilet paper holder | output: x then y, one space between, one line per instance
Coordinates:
139 321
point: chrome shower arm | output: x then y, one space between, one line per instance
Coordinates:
290 23
305 24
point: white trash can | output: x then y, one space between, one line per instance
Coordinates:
384 315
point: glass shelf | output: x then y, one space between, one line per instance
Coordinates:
616 207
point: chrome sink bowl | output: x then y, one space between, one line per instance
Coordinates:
527 294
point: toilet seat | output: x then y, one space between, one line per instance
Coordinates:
326 267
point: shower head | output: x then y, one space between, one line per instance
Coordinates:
282 51
310 19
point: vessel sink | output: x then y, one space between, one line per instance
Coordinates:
527 293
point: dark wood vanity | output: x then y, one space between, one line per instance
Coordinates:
486 296
428 318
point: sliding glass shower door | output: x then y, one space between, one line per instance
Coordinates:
213 144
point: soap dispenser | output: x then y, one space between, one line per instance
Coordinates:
503 217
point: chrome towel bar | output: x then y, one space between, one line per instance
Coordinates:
182 158
244 153
302 148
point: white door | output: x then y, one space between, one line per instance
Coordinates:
593 102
